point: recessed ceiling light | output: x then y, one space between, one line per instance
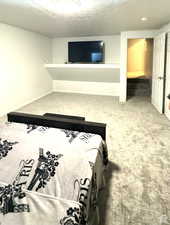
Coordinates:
144 18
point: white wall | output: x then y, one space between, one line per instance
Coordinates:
23 77
112 56
165 28
93 88
89 81
112 48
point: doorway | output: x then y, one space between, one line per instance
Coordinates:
139 67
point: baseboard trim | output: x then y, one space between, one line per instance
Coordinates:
27 103
84 87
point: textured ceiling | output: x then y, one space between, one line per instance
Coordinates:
72 18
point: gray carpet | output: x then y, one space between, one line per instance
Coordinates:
138 87
138 139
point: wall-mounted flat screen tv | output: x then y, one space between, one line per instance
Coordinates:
86 52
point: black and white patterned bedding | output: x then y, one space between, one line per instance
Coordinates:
49 176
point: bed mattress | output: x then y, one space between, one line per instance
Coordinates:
49 176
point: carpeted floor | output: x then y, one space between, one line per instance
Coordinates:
138 139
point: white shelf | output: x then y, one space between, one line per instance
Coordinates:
88 66
84 72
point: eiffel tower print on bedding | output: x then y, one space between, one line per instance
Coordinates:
49 176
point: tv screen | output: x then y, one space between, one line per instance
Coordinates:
86 52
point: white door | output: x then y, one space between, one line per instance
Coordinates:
167 86
158 72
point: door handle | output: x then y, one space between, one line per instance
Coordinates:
160 78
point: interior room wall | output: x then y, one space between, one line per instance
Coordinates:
23 77
140 58
136 56
165 28
112 56
149 58
112 48
88 80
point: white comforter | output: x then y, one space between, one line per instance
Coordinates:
49 176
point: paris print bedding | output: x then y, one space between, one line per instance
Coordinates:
49 176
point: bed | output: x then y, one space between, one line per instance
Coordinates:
51 169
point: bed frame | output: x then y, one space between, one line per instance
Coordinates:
53 115
59 121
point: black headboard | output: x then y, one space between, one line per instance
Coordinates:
54 115
56 122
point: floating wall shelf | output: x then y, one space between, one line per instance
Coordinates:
88 66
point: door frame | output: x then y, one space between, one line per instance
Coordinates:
160 108
124 57
167 85
165 71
